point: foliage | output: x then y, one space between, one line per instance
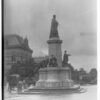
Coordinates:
83 77
25 69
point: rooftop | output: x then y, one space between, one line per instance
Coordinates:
13 41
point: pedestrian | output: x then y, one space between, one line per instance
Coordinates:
19 87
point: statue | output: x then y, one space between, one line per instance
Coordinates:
44 63
54 25
53 61
65 58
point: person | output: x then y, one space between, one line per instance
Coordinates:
19 87
9 88
54 26
65 58
24 84
12 81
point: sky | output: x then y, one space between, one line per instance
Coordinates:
77 26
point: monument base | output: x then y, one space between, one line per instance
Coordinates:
54 78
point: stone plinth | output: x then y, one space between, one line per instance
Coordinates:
53 77
55 49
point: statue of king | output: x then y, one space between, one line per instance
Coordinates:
54 26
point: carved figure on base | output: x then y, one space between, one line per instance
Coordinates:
65 58
53 61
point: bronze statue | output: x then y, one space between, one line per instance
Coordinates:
53 61
65 58
54 26
44 63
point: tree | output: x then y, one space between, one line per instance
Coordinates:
93 73
82 72
26 69
75 75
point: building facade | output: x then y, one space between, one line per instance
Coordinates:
15 49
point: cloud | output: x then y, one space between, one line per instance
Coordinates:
84 45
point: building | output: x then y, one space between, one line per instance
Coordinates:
15 49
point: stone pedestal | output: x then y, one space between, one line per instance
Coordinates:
54 45
54 78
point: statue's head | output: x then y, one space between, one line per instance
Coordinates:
65 51
54 16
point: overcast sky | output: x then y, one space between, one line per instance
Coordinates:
77 26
